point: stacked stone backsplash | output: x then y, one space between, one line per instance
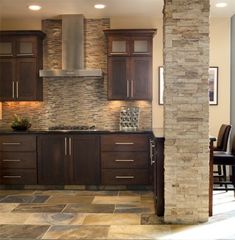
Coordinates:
75 101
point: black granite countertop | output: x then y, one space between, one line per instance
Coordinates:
97 131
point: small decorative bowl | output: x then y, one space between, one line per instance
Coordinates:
21 127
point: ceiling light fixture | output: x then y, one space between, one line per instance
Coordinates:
99 6
221 4
34 7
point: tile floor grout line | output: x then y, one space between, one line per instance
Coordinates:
48 199
50 226
62 211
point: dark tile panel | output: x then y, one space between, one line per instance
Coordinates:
90 208
24 199
39 208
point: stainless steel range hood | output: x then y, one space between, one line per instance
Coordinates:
72 51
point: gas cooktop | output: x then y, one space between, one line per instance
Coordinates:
72 128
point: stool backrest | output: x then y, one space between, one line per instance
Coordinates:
223 136
233 146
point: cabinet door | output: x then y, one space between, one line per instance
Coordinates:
86 160
141 78
7 74
51 158
26 79
118 85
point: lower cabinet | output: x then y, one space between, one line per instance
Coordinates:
68 159
51 159
125 159
18 161
86 159
75 159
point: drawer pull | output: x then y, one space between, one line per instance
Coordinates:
70 146
124 177
11 160
124 160
124 143
11 176
65 147
11 143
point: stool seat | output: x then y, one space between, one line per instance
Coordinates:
223 158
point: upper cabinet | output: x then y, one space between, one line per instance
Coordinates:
130 64
20 62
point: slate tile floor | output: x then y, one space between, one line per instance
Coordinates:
66 214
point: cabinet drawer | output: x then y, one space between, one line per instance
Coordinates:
124 176
124 160
18 143
18 159
124 142
18 176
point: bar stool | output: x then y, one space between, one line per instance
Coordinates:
222 143
225 159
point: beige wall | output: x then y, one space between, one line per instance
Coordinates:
21 24
219 56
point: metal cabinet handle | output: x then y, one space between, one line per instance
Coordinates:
151 146
132 88
70 146
11 143
11 176
124 177
127 88
124 160
24 54
13 89
65 146
124 143
17 89
11 160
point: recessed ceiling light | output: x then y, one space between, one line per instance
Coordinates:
99 6
221 4
34 7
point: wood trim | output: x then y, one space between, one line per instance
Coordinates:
23 33
147 31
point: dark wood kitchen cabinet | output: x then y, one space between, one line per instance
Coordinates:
51 159
158 181
20 62
130 64
86 159
18 162
68 159
125 159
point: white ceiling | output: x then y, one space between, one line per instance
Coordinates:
115 8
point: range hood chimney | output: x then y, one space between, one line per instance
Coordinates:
72 51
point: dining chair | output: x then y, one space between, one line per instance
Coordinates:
225 159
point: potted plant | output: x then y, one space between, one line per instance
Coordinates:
20 123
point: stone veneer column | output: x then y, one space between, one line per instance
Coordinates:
186 63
